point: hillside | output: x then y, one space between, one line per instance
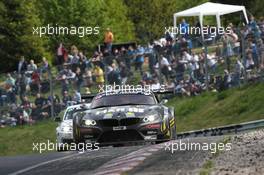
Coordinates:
215 109
207 110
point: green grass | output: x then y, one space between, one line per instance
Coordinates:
20 139
216 109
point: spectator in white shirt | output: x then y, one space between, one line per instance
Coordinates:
31 67
165 67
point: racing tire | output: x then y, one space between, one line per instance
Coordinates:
75 130
173 134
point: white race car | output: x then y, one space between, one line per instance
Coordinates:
64 130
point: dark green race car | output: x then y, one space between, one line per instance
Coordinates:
125 117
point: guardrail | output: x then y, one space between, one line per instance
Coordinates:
223 130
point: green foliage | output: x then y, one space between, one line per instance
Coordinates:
86 13
152 16
253 7
20 139
17 19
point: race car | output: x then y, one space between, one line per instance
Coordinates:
64 129
125 117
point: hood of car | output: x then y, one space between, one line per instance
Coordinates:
66 122
122 112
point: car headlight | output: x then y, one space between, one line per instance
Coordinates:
151 118
90 122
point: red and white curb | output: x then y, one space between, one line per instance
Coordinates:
127 162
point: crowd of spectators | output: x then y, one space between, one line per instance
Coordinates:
170 61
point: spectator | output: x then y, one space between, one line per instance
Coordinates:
88 80
227 79
139 59
61 52
82 62
184 28
26 105
40 101
10 88
252 47
239 69
31 67
108 59
75 61
195 68
129 57
44 65
261 53
108 40
124 73
99 75
1 97
39 112
78 79
227 49
77 97
212 63
180 68
10 81
165 67
22 65
114 75
64 79
66 99
35 83
253 26
21 85
249 61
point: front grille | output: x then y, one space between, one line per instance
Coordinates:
129 121
121 122
108 122
120 136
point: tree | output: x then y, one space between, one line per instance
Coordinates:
150 17
17 19
86 13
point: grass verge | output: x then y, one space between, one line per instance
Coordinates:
20 139
216 109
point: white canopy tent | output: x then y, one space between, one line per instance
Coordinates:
209 9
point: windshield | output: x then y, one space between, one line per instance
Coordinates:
121 100
70 113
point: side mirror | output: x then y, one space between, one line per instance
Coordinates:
164 101
57 119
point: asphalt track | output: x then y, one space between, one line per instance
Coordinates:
143 159
70 162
